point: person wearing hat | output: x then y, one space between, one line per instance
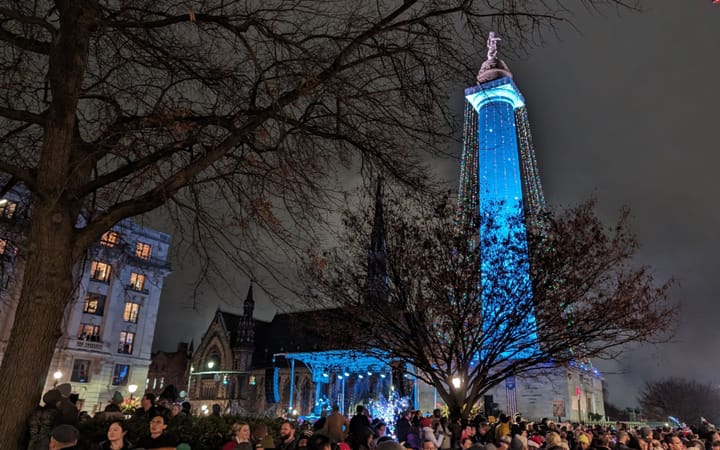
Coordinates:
69 414
63 436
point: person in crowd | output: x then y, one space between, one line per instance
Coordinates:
69 414
158 437
147 408
43 420
303 438
216 410
365 439
288 440
466 443
359 424
674 442
427 433
380 432
503 428
260 438
335 425
442 428
241 437
621 440
116 437
63 437
113 405
504 443
483 435
429 445
175 410
186 407
583 442
402 426
319 441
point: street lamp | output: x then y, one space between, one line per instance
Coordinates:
456 382
211 364
57 375
132 388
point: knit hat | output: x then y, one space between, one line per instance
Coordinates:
583 439
51 397
65 434
425 422
65 389
117 398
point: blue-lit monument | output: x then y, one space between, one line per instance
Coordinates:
499 180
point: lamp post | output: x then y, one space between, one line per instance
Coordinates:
57 375
132 388
211 364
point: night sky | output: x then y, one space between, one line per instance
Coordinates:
625 109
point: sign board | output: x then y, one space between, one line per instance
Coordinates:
559 408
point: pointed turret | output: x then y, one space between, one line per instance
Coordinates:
249 305
246 324
376 283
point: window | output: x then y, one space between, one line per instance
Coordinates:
100 271
120 374
126 342
110 239
143 250
81 368
89 332
94 304
137 281
131 312
7 209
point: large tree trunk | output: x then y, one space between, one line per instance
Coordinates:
47 285
48 274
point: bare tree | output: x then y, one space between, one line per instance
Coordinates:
455 301
687 400
236 115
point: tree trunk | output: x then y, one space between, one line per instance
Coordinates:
47 285
48 274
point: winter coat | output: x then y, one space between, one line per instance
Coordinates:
42 421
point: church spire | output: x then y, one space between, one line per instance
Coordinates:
376 286
249 305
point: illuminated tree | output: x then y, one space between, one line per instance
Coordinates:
235 115
587 298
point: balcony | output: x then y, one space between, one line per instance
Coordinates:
86 344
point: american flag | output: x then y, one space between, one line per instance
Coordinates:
511 397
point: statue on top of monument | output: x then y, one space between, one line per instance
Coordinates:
493 67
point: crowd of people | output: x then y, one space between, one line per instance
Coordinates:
54 426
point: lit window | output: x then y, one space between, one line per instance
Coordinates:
94 304
137 281
131 312
110 239
120 374
143 250
162 382
100 271
7 209
89 332
126 342
81 368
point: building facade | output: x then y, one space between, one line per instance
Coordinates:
109 324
